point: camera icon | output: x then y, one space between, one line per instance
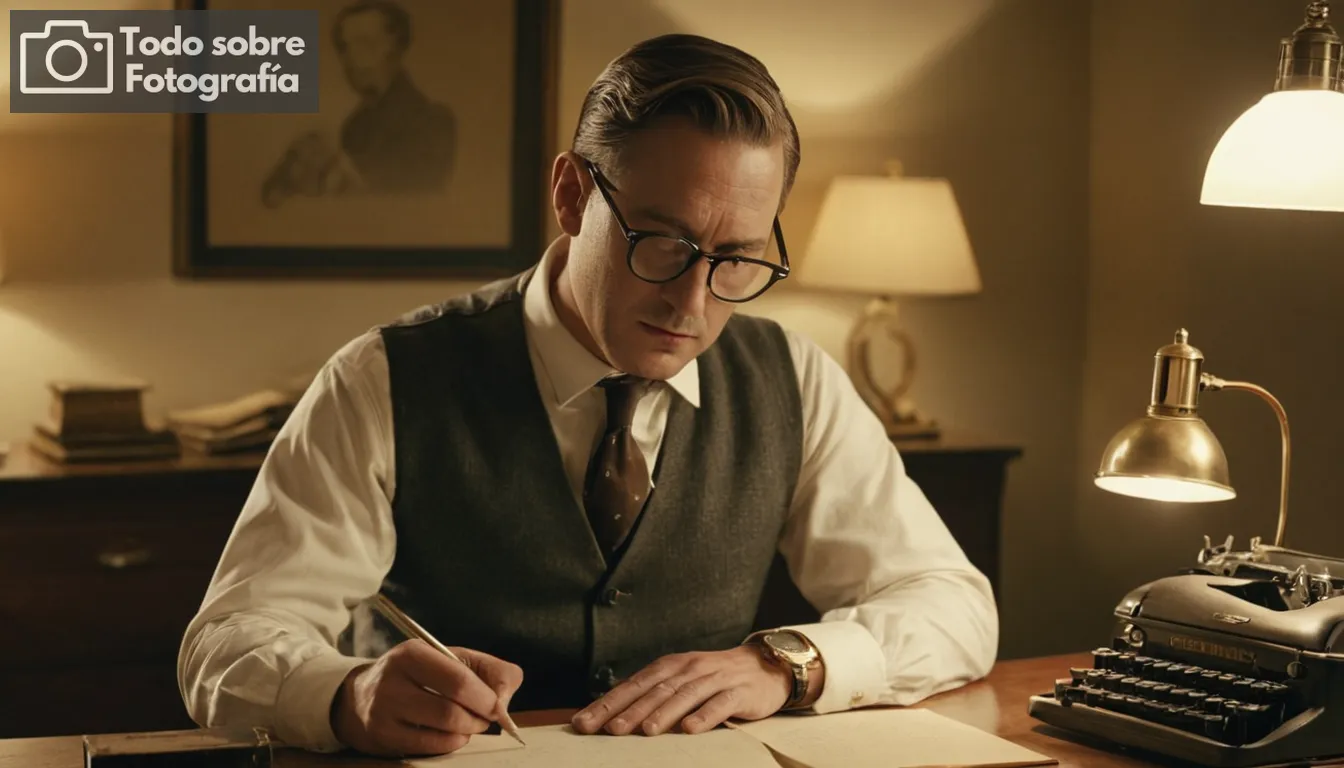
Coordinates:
57 35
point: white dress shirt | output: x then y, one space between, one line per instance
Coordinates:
904 614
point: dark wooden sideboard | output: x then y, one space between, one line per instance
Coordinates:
102 566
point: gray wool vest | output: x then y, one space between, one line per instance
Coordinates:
494 552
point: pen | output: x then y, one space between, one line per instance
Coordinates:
408 627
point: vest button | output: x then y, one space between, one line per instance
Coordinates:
603 680
611 596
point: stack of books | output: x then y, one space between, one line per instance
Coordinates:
100 421
248 423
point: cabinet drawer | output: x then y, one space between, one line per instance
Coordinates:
96 546
102 590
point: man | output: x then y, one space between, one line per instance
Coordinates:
578 477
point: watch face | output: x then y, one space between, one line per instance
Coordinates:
787 641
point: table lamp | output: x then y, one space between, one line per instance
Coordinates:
1284 152
887 236
1171 454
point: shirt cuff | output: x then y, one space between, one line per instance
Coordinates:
855 667
303 706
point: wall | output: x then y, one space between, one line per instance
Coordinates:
974 91
1255 288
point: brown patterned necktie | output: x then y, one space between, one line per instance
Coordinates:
617 482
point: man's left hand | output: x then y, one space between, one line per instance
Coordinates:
699 691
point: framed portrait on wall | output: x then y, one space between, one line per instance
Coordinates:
428 156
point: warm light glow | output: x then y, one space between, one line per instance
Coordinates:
835 64
1164 488
889 235
1287 151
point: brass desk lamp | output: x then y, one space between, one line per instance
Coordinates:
1171 454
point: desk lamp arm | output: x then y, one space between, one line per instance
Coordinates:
1213 384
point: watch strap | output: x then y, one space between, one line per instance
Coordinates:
798 672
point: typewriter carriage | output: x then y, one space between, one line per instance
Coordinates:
1304 577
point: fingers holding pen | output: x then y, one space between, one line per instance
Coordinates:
503 677
460 682
416 700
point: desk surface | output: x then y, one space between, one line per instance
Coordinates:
997 704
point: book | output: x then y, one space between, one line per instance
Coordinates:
864 738
101 451
89 439
81 407
198 748
270 404
213 445
250 422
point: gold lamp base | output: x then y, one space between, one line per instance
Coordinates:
897 413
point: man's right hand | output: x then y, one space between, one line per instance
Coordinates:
384 708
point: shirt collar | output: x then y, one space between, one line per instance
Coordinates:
569 368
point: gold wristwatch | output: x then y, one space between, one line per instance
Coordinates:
792 651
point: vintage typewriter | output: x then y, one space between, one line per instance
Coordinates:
1236 662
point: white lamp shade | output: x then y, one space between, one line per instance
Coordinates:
889 236
1284 152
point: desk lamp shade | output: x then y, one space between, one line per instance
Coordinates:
1169 454
889 235
1286 151
1166 459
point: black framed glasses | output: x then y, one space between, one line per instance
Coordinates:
659 257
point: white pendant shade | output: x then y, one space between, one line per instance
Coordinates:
1287 151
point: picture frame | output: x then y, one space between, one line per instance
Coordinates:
461 193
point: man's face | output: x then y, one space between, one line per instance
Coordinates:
722 191
369 52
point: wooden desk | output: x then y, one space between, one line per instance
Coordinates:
997 704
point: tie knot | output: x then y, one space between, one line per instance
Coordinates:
622 396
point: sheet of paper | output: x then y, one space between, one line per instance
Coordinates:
889 738
559 747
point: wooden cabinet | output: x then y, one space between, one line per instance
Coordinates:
103 566
964 479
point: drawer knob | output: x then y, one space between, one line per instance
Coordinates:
124 554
